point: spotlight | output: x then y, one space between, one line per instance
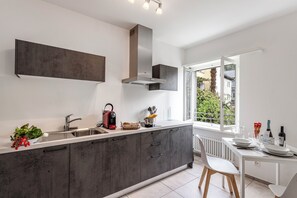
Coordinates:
159 9
146 4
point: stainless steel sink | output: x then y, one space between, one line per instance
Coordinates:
60 135
56 136
85 132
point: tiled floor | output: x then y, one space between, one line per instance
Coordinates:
185 185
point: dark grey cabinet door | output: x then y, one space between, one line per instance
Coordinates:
176 147
181 146
42 60
155 156
170 74
90 169
125 161
187 144
35 173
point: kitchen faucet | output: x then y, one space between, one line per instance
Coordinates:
68 121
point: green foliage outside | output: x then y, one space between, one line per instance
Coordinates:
208 106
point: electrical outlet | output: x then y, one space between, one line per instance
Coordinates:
258 164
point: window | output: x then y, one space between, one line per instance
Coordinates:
214 87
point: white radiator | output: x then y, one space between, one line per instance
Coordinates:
213 147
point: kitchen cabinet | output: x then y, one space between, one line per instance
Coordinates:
42 60
181 140
125 161
90 173
170 74
187 148
35 173
94 168
155 153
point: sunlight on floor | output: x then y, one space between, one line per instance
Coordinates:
185 185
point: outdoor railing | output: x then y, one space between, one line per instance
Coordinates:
229 119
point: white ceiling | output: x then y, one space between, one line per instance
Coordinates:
184 22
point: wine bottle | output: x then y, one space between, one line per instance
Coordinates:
282 136
268 130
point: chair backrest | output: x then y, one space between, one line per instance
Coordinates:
203 153
291 190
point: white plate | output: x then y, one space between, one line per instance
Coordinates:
288 154
247 147
242 142
276 149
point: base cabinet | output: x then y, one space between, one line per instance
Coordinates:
181 140
94 168
165 150
102 167
176 148
125 162
35 173
90 173
155 147
187 141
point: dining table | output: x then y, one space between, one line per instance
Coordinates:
255 154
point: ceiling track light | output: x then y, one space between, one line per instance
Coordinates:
146 5
159 9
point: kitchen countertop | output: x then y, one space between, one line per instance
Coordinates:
5 143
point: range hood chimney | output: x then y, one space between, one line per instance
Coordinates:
141 57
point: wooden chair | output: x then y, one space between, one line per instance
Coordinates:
285 192
214 165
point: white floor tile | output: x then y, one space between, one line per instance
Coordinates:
177 180
155 190
191 190
196 170
247 180
172 195
257 189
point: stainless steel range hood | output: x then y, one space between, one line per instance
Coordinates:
141 57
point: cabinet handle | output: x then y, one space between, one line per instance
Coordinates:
156 156
117 139
99 141
175 129
156 144
54 149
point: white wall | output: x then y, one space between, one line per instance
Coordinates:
45 101
267 80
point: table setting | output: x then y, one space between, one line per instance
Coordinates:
255 144
259 146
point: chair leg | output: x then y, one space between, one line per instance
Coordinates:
202 177
234 186
209 173
229 184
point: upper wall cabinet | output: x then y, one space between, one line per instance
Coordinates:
170 74
42 60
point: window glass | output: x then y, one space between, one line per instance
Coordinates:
214 97
229 94
208 95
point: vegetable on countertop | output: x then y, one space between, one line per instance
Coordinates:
23 134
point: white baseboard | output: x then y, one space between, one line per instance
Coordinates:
146 182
